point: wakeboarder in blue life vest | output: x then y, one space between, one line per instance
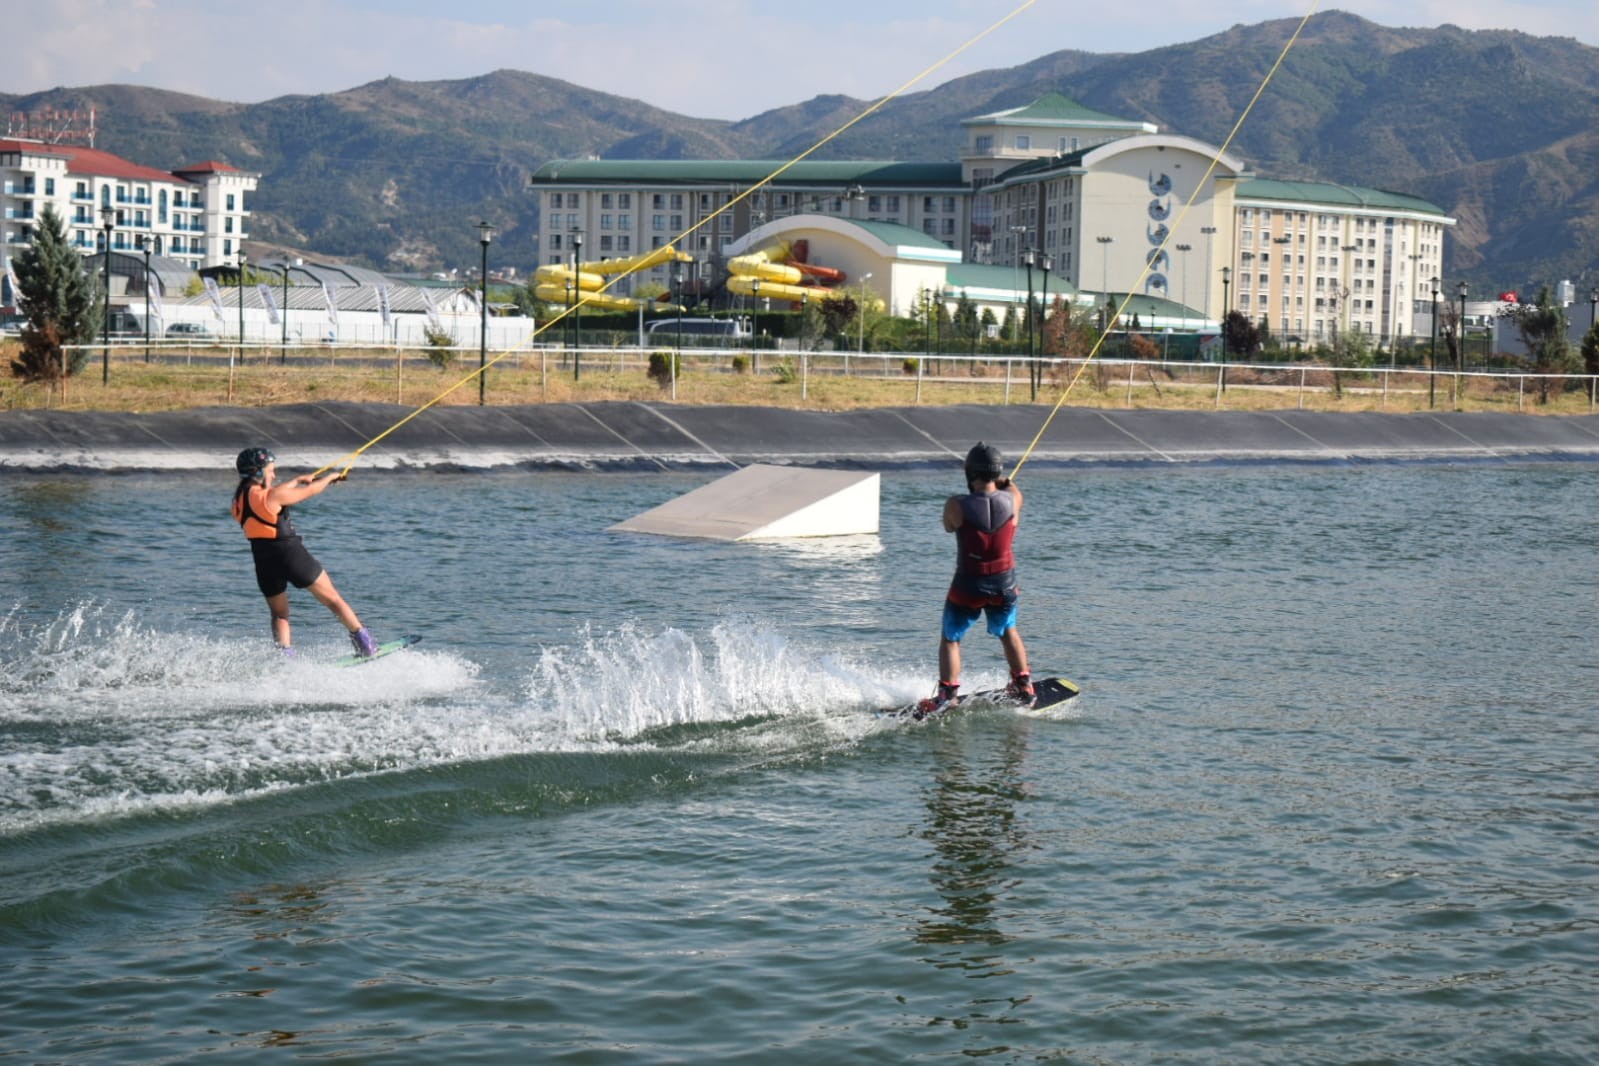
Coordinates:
984 523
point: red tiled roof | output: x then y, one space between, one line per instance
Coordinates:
210 166
82 160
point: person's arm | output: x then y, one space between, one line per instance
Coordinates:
952 514
289 493
1016 494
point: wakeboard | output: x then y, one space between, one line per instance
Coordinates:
388 647
1047 692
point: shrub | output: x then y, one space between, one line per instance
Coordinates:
910 365
664 367
741 363
441 347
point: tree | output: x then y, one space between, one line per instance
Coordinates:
59 297
1242 335
1590 351
1542 326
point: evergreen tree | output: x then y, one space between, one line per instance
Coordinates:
59 297
1542 325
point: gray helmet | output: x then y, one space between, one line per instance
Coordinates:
252 462
983 463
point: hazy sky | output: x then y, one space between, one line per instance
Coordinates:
707 58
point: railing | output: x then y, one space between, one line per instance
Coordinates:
612 370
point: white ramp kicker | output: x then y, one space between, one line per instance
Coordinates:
763 502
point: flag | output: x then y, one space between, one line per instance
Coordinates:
333 305
383 305
212 291
16 289
271 304
152 284
433 311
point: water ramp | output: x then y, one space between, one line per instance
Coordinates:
765 502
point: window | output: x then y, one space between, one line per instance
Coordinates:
624 221
230 199
892 203
677 201
658 201
555 243
949 205
555 199
605 222
605 243
983 143
657 221
1024 143
605 201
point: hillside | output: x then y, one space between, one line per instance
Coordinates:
1499 128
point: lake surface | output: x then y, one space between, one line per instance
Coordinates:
1330 793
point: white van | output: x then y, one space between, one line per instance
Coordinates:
706 330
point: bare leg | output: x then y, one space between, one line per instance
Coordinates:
1015 651
279 606
322 588
949 661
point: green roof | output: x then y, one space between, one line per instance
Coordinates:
1002 279
899 236
1053 109
748 171
1333 195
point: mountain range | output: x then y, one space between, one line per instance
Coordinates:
1499 128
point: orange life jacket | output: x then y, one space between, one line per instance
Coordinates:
253 510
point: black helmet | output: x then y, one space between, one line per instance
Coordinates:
252 461
983 463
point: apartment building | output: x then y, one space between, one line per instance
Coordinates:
196 214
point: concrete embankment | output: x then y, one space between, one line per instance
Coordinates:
662 436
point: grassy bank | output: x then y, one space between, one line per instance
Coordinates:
176 380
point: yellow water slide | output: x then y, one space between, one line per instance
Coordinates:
552 283
770 272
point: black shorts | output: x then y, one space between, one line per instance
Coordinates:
279 562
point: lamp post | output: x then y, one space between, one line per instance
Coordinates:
755 322
1593 306
1460 349
1104 265
1185 249
1027 258
283 316
105 352
144 246
577 306
1432 359
1048 263
1210 234
805 307
1226 280
241 303
1346 249
860 323
485 234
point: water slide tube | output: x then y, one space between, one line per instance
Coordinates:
779 276
550 282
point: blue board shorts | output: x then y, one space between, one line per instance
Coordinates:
959 619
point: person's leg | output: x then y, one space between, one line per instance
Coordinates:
949 661
322 588
1015 651
279 606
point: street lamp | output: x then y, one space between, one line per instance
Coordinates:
1593 306
1104 265
805 307
105 352
1185 249
485 234
1460 350
1432 359
861 315
144 246
1210 234
577 306
283 315
1027 258
241 303
1226 280
1048 263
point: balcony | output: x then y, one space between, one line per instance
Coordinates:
20 188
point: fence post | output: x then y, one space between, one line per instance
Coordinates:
1221 378
1302 385
805 375
1007 379
920 364
1129 383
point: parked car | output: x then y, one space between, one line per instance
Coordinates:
190 331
